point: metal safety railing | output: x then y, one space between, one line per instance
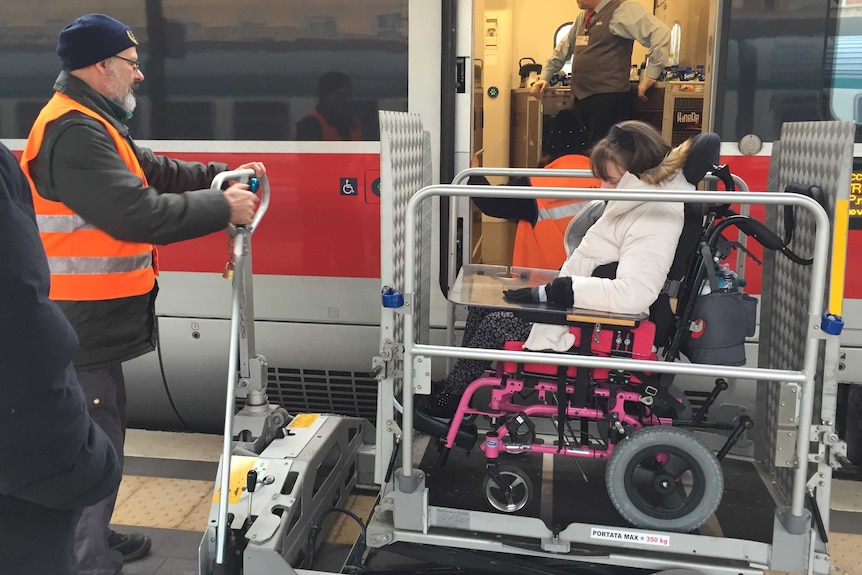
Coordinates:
804 377
464 175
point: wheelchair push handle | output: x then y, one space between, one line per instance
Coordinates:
255 184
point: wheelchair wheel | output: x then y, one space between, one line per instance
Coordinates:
510 491
664 478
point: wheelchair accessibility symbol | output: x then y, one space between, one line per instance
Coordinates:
349 186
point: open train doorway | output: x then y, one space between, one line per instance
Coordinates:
512 41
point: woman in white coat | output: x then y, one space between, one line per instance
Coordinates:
641 236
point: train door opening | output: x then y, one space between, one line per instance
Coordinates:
512 40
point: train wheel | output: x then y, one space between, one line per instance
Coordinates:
508 489
664 478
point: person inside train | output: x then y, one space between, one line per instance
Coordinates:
102 205
332 120
641 236
600 43
542 222
55 459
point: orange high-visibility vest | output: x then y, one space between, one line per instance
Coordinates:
86 263
330 134
543 246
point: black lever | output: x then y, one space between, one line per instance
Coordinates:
722 172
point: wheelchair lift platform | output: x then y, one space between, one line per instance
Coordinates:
773 515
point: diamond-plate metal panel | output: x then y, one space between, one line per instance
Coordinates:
767 391
408 153
810 153
424 254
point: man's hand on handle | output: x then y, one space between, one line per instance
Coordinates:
258 167
242 202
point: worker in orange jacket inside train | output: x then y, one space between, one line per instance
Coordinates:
542 222
332 120
102 202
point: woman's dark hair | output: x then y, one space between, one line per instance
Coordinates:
638 148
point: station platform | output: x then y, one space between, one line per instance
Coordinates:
168 484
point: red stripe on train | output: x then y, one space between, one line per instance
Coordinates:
323 219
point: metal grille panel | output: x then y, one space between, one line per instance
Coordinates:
320 391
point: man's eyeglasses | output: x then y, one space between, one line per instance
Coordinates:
135 64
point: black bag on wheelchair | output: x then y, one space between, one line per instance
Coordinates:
720 322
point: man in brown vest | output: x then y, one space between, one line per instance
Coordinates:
601 41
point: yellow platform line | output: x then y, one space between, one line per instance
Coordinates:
163 503
184 504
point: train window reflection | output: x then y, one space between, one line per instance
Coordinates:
247 70
844 62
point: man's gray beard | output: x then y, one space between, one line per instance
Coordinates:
129 102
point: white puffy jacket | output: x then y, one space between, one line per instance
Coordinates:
642 237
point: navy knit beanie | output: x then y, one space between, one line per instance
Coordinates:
92 38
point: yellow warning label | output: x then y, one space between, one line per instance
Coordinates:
304 420
239 468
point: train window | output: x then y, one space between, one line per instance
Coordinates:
561 33
240 70
843 62
770 67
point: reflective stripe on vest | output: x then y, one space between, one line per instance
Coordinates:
92 266
86 263
559 212
330 134
62 223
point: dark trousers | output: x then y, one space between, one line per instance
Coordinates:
105 390
39 542
601 111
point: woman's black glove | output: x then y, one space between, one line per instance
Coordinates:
558 293
525 295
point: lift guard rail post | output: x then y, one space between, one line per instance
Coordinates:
241 247
464 175
804 377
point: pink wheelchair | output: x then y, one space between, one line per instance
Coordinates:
661 477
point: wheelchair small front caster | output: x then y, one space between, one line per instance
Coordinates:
507 488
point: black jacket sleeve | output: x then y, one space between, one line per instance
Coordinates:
52 453
506 208
86 173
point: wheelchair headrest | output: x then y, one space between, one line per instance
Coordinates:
578 226
702 156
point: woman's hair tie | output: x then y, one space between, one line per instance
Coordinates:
622 138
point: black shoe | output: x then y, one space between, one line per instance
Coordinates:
440 404
133 546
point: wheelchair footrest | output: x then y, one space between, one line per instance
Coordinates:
436 427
